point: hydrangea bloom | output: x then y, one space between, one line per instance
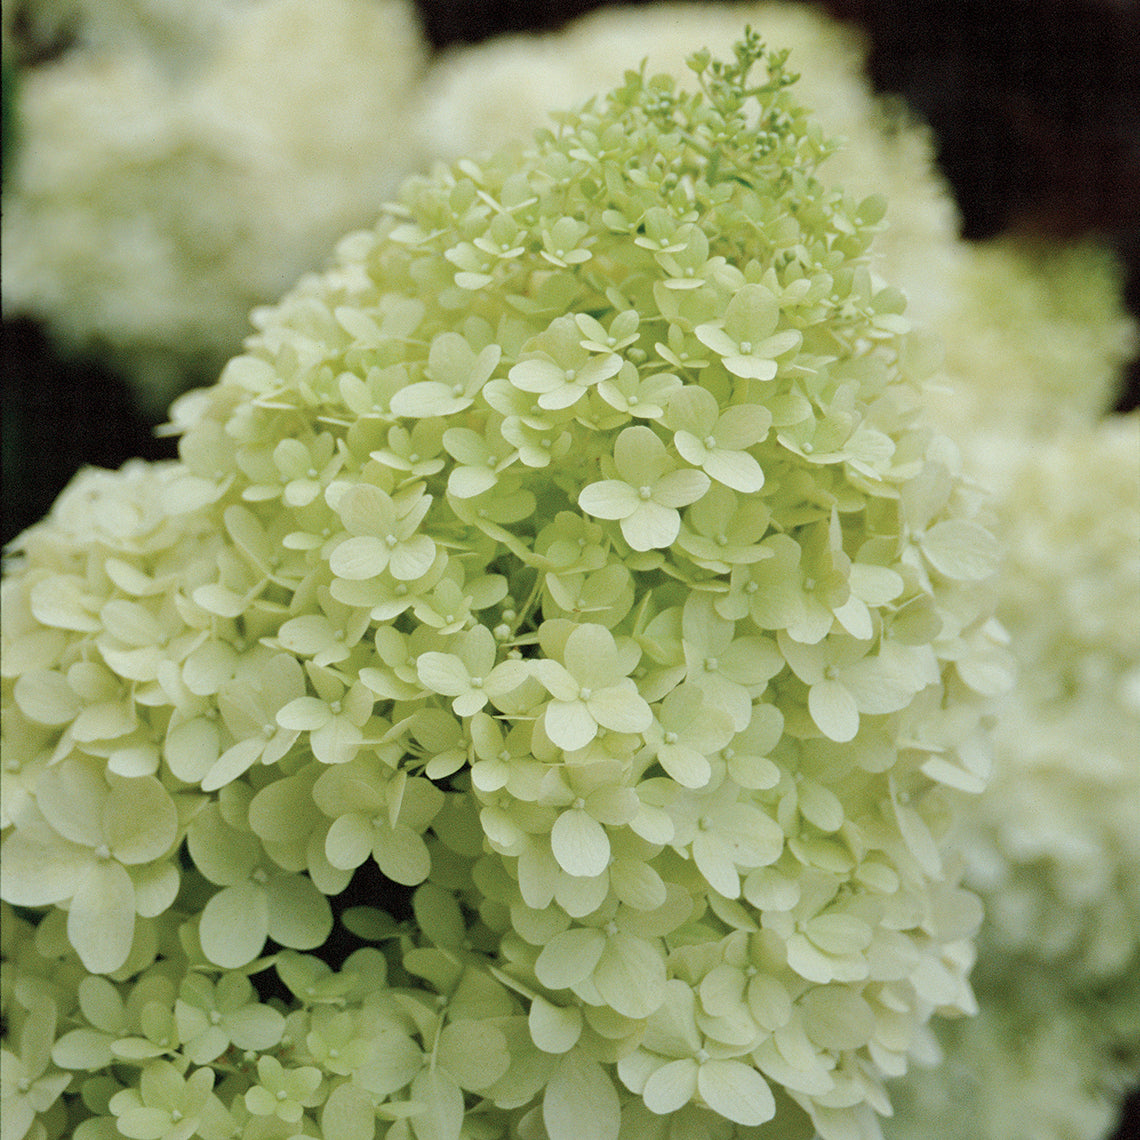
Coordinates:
482 97
658 707
183 163
1053 845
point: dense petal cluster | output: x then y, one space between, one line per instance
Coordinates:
478 98
1053 845
181 163
573 552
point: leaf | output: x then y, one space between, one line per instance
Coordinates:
580 1102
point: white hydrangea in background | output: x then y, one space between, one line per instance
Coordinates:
1048 340
1054 843
182 163
570 564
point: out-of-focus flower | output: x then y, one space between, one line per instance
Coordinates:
1054 842
180 164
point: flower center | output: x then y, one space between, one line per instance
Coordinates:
645 492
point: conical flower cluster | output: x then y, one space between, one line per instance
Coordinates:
572 554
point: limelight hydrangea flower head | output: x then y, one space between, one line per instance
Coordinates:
570 557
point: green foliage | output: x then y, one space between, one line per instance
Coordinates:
572 552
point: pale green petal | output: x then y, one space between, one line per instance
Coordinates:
304 713
35 874
140 820
101 918
443 673
834 710
685 764
473 1053
71 796
736 1091
680 488
428 398
735 469
348 1114
234 762
467 482
356 559
580 1102
44 695
651 526
714 337
714 861
751 367
412 559
349 841
590 654
442 1099
299 915
555 678
637 884
961 550
620 708
569 724
234 925
255 1026
835 1017
88 1049
191 749
580 844
554 1028
570 957
671 1087
401 854
609 499
630 975
398 1059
